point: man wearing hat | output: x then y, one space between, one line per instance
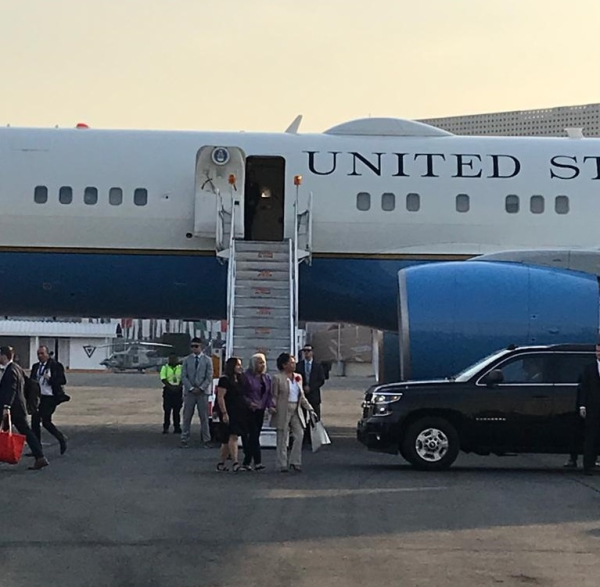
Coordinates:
589 409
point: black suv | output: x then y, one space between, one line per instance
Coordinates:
517 400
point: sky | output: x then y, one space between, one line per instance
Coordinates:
255 64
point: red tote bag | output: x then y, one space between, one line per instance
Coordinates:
11 445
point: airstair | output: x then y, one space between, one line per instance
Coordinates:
262 288
263 317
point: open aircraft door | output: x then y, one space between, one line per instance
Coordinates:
220 178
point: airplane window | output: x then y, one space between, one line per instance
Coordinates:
65 195
90 196
140 197
536 204
115 196
413 202
40 194
561 204
388 202
462 203
512 204
363 201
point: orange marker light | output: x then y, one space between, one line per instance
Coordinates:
297 180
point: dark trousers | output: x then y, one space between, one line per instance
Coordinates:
251 440
43 417
19 421
590 442
577 436
172 402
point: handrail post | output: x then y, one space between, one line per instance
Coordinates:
231 271
296 313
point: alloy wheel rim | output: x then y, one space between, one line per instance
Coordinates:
432 445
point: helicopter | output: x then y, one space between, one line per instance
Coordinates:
135 356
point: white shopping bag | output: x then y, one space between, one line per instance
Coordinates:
318 434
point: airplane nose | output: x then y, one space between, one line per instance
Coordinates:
452 314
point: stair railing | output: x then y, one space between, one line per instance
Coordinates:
231 275
293 250
305 217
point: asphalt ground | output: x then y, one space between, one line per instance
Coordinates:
126 507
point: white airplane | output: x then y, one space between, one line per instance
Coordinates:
134 223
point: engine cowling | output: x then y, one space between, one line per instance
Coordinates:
452 314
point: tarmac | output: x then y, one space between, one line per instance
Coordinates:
126 507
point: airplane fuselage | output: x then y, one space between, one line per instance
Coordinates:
379 204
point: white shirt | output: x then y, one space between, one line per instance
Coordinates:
294 392
598 362
45 388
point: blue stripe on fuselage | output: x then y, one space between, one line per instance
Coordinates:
37 283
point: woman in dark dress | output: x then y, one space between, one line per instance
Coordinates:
232 411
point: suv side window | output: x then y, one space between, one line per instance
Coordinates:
568 367
530 369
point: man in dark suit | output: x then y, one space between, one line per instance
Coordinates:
578 434
589 410
313 377
12 400
50 375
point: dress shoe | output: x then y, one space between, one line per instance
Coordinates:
63 445
165 431
39 464
588 472
177 431
570 464
296 468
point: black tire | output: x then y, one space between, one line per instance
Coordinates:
443 447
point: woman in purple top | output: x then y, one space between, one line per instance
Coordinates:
256 385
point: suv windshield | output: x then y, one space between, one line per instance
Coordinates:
467 373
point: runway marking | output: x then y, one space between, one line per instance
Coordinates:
310 493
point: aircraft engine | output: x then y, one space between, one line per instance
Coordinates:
452 314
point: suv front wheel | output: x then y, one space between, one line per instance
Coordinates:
431 444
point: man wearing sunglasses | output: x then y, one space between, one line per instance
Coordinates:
196 378
313 377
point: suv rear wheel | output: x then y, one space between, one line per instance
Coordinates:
431 444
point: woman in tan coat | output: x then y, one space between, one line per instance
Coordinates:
289 401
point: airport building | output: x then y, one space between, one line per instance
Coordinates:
79 345
548 122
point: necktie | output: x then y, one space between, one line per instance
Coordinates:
196 363
308 368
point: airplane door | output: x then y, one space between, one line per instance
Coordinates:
215 195
264 195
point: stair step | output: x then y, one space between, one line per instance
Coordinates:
257 331
265 275
279 303
261 288
272 322
260 313
264 248
283 266
263 256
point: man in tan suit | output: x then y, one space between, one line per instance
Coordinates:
289 400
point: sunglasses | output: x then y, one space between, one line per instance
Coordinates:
307 350
195 346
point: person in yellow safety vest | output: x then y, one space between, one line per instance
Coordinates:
170 375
